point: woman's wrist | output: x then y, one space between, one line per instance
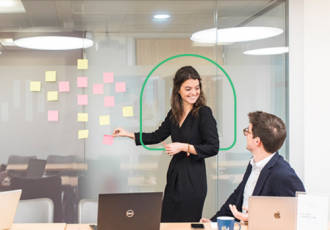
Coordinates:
131 135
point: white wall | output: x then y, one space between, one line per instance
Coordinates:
310 111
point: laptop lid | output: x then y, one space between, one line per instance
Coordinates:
272 213
133 211
8 202
35 168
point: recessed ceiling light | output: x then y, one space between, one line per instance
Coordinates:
268 51
235 34
161 16
11 6
53 43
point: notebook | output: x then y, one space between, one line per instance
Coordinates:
133 211
272 213
8 202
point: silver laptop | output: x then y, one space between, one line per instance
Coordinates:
129 211
8 202
272 213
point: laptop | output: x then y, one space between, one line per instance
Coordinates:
9 202
35 169
272 213
133 211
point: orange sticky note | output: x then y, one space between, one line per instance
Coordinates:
82 82
52 115
82 64
97 88
120 87
109 101
107 139
82 99
64 86
107 77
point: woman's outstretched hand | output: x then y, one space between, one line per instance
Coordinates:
120 132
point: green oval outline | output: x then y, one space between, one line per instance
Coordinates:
199 56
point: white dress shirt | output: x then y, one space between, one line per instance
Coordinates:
253 178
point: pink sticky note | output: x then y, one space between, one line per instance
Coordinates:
109 101
107 139
107 77
98 88
81 82
82 99
64 86
52 115
120 87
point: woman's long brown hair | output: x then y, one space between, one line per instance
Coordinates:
183 74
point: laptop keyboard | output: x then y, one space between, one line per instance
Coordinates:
94 227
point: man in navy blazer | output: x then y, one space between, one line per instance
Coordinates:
267 174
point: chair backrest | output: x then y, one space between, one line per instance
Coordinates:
48 187
35 211
87 211
14 159
56 159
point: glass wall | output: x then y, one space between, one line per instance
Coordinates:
128 43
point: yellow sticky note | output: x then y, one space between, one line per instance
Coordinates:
83 117
82 64
104 120
52 96
128 111
50 76
35 86
82 134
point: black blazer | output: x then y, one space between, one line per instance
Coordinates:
277 178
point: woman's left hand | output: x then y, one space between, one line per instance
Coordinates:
173 148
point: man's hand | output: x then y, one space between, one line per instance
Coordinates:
239 215
204 220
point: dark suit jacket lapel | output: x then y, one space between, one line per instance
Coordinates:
241 193
264 174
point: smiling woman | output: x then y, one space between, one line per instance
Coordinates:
194 135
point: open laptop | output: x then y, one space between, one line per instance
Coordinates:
272 213
8 202
133 211
35 168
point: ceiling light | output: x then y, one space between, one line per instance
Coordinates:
11 6
7 42
235 34
161 16
53 43
268 51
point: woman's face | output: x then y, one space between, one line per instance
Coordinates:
190 91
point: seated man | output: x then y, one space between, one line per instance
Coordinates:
267 174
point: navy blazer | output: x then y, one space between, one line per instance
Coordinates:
277 178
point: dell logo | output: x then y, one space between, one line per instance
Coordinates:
130 213
277 215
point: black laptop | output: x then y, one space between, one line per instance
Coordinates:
35 169
129 211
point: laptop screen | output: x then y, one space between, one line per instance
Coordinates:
35 168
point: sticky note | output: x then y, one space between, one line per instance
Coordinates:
128 111
107 77
82 64
104 120
50 76
109 101
64 86
52 96
35 86
82 82
97 88
82 134
82 99
83 117
52 115
120 87
107 139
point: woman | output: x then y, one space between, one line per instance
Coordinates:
194 135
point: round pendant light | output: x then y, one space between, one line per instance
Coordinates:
268 51
53 43
235 34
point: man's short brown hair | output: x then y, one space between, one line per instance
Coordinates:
269 128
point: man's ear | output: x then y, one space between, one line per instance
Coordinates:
258 142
